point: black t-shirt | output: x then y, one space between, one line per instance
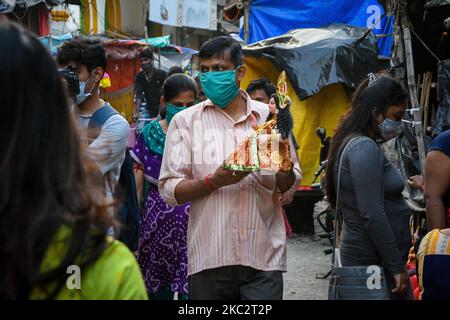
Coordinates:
150 89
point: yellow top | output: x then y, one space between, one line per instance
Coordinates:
114 276
435 244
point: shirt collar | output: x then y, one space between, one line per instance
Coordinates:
250 105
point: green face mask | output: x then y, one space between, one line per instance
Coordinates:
171 111
219 86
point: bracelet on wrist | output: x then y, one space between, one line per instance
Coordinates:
208 183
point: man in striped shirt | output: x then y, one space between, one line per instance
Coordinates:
236 233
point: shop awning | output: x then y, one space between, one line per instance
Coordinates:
7 6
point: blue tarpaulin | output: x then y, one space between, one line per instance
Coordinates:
314 58
56 41
271 18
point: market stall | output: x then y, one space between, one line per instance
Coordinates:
122 67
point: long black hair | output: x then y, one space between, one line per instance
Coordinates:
176 84
44 183
368 102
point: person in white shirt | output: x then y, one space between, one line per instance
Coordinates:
108 143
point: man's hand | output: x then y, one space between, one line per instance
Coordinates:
285 175
192 189
287 198
285 180
223 177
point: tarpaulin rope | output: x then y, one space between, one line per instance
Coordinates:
425 45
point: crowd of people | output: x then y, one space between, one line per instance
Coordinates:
205 232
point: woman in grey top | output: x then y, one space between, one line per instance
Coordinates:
375 215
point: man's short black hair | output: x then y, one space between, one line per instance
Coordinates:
262 84
175 70
88 52
147 53
218 46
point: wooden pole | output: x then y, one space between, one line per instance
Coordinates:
420 87
398 50
50 34
146 29
418 126
427 102
246 23
419 80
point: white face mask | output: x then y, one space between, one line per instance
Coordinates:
82 96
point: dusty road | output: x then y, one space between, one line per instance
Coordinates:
305 259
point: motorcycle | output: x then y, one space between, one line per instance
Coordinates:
326 217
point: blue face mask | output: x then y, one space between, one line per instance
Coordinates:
81 97
171 111
219 86
389 129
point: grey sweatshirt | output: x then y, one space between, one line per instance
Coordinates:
376 216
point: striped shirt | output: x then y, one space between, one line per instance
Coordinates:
434 266
240 224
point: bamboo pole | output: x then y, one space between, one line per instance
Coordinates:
433 117
398 51
420 87
427 102
50 34
419 80
417 115
246 22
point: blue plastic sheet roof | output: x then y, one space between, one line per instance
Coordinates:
271 18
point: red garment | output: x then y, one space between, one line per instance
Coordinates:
288 226
448 217
43 22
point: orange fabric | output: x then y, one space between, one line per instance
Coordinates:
122 73
287 225
120 94
43 22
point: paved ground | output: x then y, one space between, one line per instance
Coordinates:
305 259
